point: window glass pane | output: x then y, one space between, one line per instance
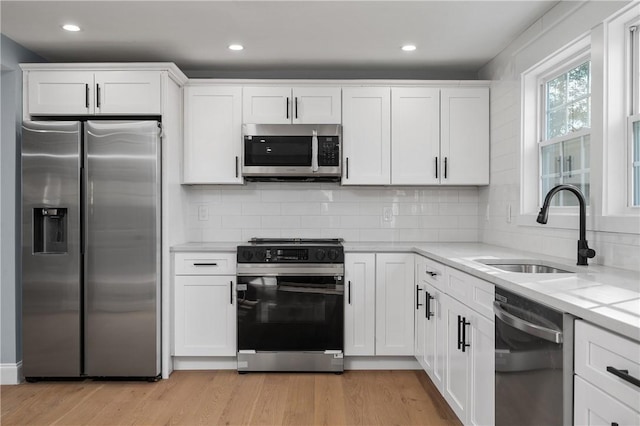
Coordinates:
556 123
550 159
556 92
578 115
578 82
566 162
636 163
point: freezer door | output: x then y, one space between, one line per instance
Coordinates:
122 255
51 292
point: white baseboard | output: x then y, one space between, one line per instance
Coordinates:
350 363
11 374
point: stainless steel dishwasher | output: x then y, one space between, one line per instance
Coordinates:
534 362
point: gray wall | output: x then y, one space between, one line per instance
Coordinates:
11 117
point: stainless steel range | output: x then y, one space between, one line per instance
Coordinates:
291 305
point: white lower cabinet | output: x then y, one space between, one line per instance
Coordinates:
458 339
607 367
359 304
204 309
394 301
379 303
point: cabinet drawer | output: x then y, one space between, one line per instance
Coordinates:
597 350
473 292
205 263
430 271
594 407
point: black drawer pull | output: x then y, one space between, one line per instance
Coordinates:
624 375
231 292
205 264
459 332
349 292
418 304
433 274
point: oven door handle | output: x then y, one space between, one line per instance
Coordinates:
545 333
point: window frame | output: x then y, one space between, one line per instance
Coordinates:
533 127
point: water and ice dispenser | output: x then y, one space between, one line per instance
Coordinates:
50 234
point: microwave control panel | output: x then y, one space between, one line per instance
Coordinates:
328 151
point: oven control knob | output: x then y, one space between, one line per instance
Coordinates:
320 254
260 254
247 255
333 254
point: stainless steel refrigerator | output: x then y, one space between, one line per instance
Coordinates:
91 248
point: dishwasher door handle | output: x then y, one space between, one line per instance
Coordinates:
545 333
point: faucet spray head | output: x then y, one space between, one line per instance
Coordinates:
543 216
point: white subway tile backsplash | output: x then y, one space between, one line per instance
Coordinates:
325 210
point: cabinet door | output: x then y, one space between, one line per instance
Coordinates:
592 406
213 141
366 131
60 92
267 105
359 308
434 336
205 315
481 338
127 92
316 105
464 143
458 363
395 300
415 135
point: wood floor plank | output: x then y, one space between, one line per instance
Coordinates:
229 398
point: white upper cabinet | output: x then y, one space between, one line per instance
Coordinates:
284 105
366 132
93 92
464 130
212 134
415 135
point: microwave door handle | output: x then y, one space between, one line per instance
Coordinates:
314 151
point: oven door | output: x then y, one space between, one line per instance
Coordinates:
290 312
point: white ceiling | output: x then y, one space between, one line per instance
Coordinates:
455 37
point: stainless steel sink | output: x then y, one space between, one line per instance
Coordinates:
524 266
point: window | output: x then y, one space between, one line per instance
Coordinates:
564 149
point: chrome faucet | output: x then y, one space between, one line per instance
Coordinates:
584 252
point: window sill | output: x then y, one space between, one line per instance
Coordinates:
627 224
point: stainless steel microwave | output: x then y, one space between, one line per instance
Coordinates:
292 152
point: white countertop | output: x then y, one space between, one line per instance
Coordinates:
605 296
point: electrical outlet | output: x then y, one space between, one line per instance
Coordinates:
387 214
203 213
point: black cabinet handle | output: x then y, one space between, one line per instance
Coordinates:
231 292
445 167
205 264
436 167
296 106
428 314
624 375
287 107
433 274
347 166
98 95
237 165
459 332
349 292
614 424
86 95
465 323
418 290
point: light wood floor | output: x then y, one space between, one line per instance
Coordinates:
228 398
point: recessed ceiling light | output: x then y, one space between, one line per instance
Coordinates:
70 27
236 47
409 47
